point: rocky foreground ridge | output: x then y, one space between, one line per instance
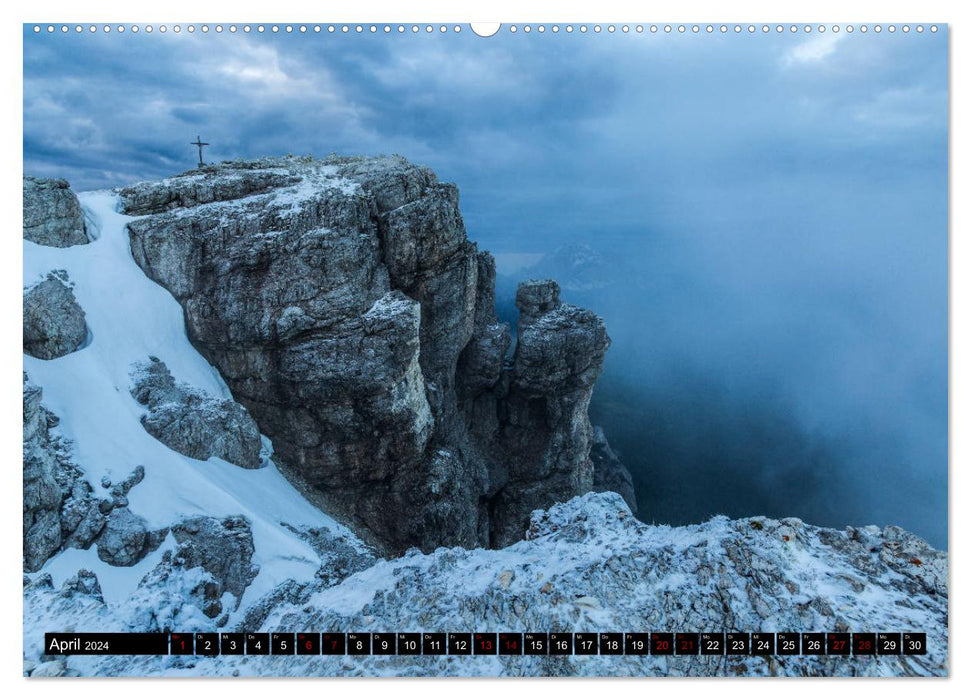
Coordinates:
350 314
586 565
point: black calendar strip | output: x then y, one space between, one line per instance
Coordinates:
489 643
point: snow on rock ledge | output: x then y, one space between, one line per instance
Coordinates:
192 423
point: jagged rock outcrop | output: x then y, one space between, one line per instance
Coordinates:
534 298
54 322
192 423
42 493
340 556
545 427
84 583
349 313
609 472
223 547
61 509
213 557
83 516
52 213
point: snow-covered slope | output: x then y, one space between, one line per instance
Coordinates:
131 318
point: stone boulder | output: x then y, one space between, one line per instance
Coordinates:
54 323
52 213
126 539
192 423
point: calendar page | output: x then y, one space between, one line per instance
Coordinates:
524 349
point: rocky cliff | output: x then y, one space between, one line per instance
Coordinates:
350 314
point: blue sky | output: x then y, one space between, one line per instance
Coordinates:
790 189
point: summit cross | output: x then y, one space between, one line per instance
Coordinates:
200 143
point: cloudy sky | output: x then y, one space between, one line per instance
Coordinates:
790 190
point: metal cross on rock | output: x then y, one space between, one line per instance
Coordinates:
200 143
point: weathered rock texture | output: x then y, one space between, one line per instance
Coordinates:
213 557
60 507
52 213
545 428
349 313
585 565
42 493
54 323
224 548
126 538
192 423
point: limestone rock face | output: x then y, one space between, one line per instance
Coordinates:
54 323
61 509
189 422
534 298
213 557
151 198
345 307
84 583
52 213
42 493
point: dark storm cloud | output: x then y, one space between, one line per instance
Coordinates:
779 203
